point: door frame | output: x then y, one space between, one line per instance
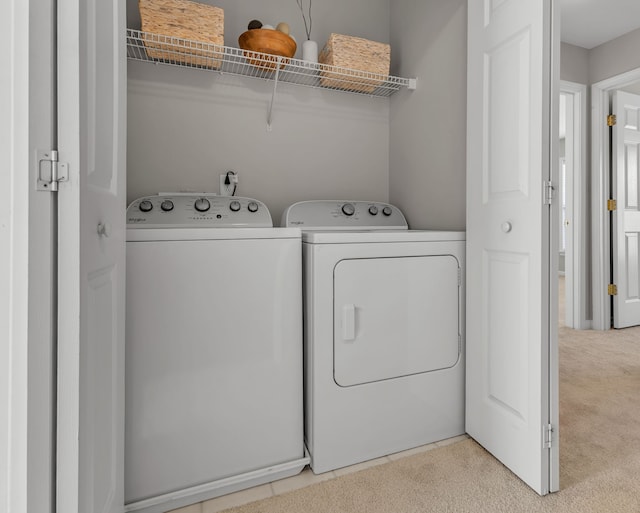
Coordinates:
27 261
600 186
14 258
577 213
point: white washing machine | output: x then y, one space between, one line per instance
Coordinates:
384 331
213 350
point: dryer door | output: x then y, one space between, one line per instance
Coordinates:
395 317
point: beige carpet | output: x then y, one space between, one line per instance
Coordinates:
599 455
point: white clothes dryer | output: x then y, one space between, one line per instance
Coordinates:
213 350
383 330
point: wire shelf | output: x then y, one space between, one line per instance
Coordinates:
144 46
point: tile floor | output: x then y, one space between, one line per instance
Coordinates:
305 478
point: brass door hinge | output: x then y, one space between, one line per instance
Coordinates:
612 289
612 205
611 120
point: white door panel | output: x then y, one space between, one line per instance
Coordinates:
506 335
92 135
508 391
395 317
626 218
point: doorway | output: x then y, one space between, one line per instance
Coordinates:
572 195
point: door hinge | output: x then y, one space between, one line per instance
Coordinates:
549 192
547 436
612 120
50 171
612 205
612 289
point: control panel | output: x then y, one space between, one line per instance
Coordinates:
181 210
344 215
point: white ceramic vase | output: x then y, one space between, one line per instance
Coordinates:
310 51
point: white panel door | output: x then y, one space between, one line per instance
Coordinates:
509 400
626 218
91 258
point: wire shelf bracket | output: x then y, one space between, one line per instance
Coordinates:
173 51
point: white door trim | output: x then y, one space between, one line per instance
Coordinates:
14 258
600 174
26 261
579 194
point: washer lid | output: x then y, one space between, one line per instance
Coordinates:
344 215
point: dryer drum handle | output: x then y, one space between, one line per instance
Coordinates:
348 322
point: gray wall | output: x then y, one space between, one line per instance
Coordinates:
605 61
185 127
615 57
427 156
361 18
574 64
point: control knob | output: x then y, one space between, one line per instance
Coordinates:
202 205
348 209
387 211
145 206
373 210
234 206
252 206
167 206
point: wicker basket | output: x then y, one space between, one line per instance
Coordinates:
201 25
355 53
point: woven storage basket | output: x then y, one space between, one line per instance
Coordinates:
357 54
201 25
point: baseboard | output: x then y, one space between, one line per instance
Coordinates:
214 489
